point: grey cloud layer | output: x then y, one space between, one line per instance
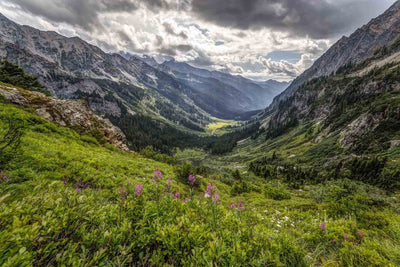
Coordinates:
315 18
233 35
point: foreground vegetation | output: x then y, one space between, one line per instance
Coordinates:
65 199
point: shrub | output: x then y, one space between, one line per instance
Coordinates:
183 172
240 187
276 193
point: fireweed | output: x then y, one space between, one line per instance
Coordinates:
167 188
139 190
192 180
322 226
3 177
157 175
213 200
123 193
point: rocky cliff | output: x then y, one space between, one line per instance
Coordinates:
70 113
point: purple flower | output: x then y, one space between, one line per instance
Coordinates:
139 189
346 236
77 189
157 175
240 205
65 181
322 226
355 244
123 192
211 192
4 176
233 206
177 195
192 179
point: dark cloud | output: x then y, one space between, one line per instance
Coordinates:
314 18
174 49
83 13
168 29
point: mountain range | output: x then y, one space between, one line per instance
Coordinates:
173 92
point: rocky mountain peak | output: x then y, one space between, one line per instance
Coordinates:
381 31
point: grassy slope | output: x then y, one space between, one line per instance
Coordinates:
44 222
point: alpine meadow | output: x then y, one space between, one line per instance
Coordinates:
199 133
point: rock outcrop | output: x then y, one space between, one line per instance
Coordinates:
69 113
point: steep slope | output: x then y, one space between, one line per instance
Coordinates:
112 85
67 201
71 113
359 46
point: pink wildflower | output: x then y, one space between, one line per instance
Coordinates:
139 189
192 179
157 175
322 226
240 205
233 206
123 192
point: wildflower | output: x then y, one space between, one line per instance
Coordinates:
192 179
233 206
139 189
346 236
240 205
177 195
77 189
123 192
169 182
322 226
4 176
355 244
157 175
64 181
185 200
361 235
211 192
334 241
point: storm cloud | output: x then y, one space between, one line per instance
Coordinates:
229 35
315 18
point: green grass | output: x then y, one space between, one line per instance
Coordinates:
44 222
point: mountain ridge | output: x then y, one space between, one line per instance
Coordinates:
352 49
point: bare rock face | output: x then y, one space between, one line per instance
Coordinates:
68 113
360 126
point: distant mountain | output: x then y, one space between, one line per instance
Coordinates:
361 45
112 83
218 90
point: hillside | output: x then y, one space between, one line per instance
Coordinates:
117 160
129 91
66 199
354 49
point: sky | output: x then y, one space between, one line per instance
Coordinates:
258 39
